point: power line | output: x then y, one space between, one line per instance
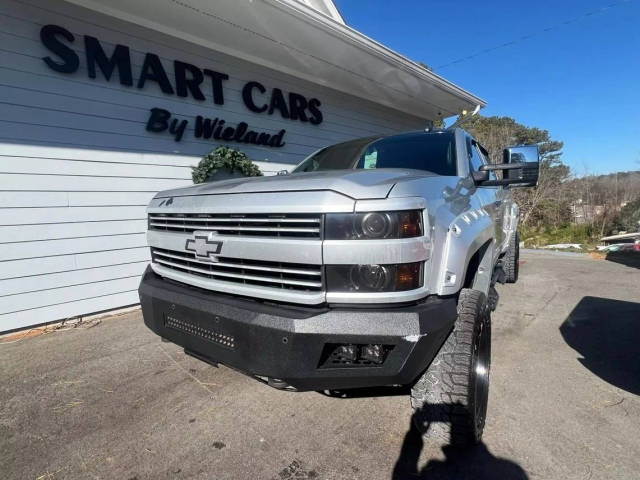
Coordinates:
535 34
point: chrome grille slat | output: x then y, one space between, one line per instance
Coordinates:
238 219
190 227
243 266
305 226
216 273
253 272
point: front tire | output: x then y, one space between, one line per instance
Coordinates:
512 259
450 398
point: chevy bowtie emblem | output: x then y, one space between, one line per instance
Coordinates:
204 245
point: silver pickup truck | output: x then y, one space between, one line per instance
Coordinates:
372 263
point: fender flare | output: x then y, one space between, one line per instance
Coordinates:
468 233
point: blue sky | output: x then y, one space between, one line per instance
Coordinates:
580 81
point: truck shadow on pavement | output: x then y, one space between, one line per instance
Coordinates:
473 462
606 333
365 392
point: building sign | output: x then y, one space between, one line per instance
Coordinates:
187 81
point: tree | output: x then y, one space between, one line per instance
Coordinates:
628 219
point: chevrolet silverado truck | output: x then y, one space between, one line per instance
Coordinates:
372 263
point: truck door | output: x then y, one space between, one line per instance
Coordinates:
492 198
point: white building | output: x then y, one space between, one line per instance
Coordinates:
104 103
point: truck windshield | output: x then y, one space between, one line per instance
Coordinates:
433 152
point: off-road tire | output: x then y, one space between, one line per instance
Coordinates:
448 405
511 261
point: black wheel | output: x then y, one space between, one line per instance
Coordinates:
450 398
512 258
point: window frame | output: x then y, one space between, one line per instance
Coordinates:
471 145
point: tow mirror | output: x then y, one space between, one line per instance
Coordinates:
480 176
520 166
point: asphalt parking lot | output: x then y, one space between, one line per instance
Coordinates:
109 400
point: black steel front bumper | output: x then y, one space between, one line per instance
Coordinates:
289 343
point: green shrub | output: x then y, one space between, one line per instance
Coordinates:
224 157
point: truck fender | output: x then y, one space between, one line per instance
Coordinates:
467 233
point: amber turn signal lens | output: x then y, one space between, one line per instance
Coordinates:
408 276
409 224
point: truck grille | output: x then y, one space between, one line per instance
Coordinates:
263 225
290 276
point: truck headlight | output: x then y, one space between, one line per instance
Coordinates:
374 278
373 225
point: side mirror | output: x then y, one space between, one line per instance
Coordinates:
527 176
520 166
283 172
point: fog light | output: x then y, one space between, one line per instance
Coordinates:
346 352
349 355
372 353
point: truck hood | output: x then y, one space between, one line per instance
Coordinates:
357 184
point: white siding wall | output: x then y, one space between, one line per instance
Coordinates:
77 166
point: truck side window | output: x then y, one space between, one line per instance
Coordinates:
370 158
475 161
484 158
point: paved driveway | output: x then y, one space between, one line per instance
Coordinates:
112 401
